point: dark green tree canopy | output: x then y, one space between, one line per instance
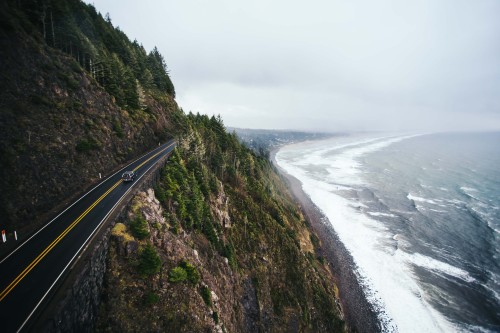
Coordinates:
104 51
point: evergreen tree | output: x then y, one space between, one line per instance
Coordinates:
159 70
149 261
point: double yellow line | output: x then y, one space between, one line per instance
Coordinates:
28 269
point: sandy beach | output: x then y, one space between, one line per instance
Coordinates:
358 312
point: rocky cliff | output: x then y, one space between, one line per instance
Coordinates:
220 298
217 250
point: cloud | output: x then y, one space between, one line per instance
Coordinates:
330 65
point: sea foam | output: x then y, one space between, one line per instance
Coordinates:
385 274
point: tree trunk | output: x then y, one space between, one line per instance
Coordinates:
42 18
52 28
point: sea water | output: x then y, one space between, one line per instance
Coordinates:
420 215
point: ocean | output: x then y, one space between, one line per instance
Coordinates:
420 215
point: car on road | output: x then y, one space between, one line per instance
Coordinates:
129 176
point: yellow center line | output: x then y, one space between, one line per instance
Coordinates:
149 159
28 269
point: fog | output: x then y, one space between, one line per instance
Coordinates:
327 65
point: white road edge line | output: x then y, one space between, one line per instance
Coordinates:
84 244
74 203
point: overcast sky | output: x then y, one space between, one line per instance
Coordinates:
327 64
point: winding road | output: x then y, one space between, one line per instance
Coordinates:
30 272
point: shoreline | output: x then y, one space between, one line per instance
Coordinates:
359 314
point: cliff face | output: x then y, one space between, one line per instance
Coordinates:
59 126
222 299
218 246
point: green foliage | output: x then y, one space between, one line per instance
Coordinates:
177 274
70 81
117 127
206 294
149 261
210 176
87 145
280 298
97 47
41 100
121 83
151 298
184 272
159 72
77 104
139 227
160 194
314 240
229 252
192 273
209 232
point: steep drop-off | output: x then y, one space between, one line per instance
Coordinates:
217 245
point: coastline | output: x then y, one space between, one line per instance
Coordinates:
358 312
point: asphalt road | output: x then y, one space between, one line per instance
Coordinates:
32 270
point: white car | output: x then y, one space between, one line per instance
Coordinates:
129 176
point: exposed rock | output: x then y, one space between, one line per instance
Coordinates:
238 302
220 207
126 244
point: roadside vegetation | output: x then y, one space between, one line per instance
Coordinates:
230 251
242 237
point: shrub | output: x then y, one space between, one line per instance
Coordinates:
75 66
160 194
84 146
229 252
206 294
314 240
70 81
210 233
117 127
149 261
41 100
151 298
185 271
139 227
192 273
177 274
77 104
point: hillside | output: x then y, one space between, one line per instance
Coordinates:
218 245
221 247
265 141
77 99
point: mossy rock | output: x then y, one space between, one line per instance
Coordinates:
127 245
120 231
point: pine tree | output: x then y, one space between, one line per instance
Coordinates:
149 261
158 68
